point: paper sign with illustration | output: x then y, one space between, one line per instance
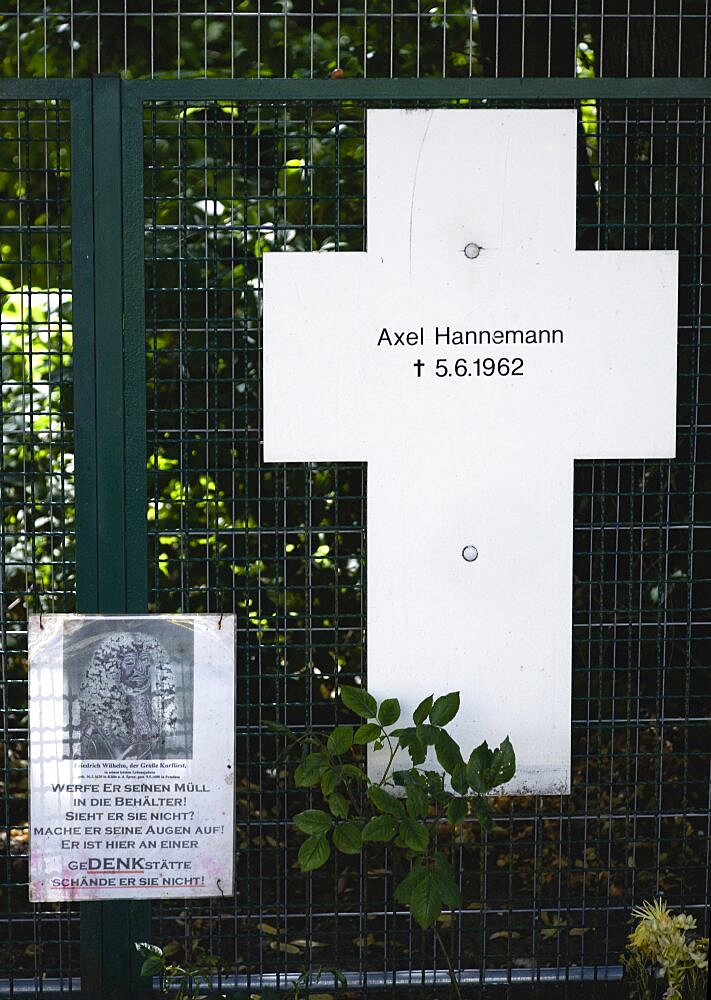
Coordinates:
131 772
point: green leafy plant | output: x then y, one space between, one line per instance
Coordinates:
306 980
407 807
661 953
185 982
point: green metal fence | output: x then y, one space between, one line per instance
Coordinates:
133 480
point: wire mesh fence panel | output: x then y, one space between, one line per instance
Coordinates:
283 546
37 485
375 38
549 890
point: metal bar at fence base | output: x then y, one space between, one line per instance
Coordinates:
369 980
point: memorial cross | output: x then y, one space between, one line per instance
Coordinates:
469 356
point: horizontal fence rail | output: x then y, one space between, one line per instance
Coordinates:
582 88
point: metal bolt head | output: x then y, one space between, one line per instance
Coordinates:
472 251
470 553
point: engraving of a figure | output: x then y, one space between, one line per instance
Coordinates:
127 699
136 679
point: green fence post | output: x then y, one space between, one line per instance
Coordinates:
109 367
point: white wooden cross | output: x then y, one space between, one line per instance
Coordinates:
470 438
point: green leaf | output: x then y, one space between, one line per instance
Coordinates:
446 883
338 805
414 835
153 966
459 779
410 778
425 900
480 808
477 766
385 802
417 751
351 771
313 821
314 852
422 710
366 733
444 709
380 828
503 765
435 785
416 802
359 701
448 753
406 738
389 712
330 776
340 740
488 768
457 811
308 772
426 734
404 889
347 838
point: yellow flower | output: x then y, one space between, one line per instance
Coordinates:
661 939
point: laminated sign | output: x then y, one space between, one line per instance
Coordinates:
131 756
469 357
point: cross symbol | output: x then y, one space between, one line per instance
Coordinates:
470 382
